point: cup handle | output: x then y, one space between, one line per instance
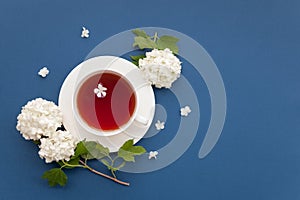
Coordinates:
141 120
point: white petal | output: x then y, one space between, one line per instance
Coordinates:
159 125
96 90
185 111
85 32
152 154
43 72
99 86
103 94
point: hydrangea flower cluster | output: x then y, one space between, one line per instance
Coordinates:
160 67
60 146
39 120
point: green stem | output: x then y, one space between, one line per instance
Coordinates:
102 174
121 165
113 173
155 37
69 165
112 161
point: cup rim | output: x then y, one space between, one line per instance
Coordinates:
83 123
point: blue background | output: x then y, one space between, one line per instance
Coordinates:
256 47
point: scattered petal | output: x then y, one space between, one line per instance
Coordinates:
43 72
152 154
185 111
159 125
85 33
100 91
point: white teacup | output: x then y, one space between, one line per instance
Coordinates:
104 66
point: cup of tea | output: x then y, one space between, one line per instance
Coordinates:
106 97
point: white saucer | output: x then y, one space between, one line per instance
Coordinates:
135 131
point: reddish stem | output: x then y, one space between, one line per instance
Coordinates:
102 174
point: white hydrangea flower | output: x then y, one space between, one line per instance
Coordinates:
185 111
38 118
160 67
100 91
59 146
43 72
159 125
85 33
152 154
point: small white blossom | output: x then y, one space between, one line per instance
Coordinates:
43 72
85 33
160 67
152 154
100 91
38 118
185 111
60 146
159 125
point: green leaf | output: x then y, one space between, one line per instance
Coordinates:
120 166
128 151
74 161
168 42
169 39
80 149
55 176
37 142
106 163
135 62
144 43
95 150
139 32
135 59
